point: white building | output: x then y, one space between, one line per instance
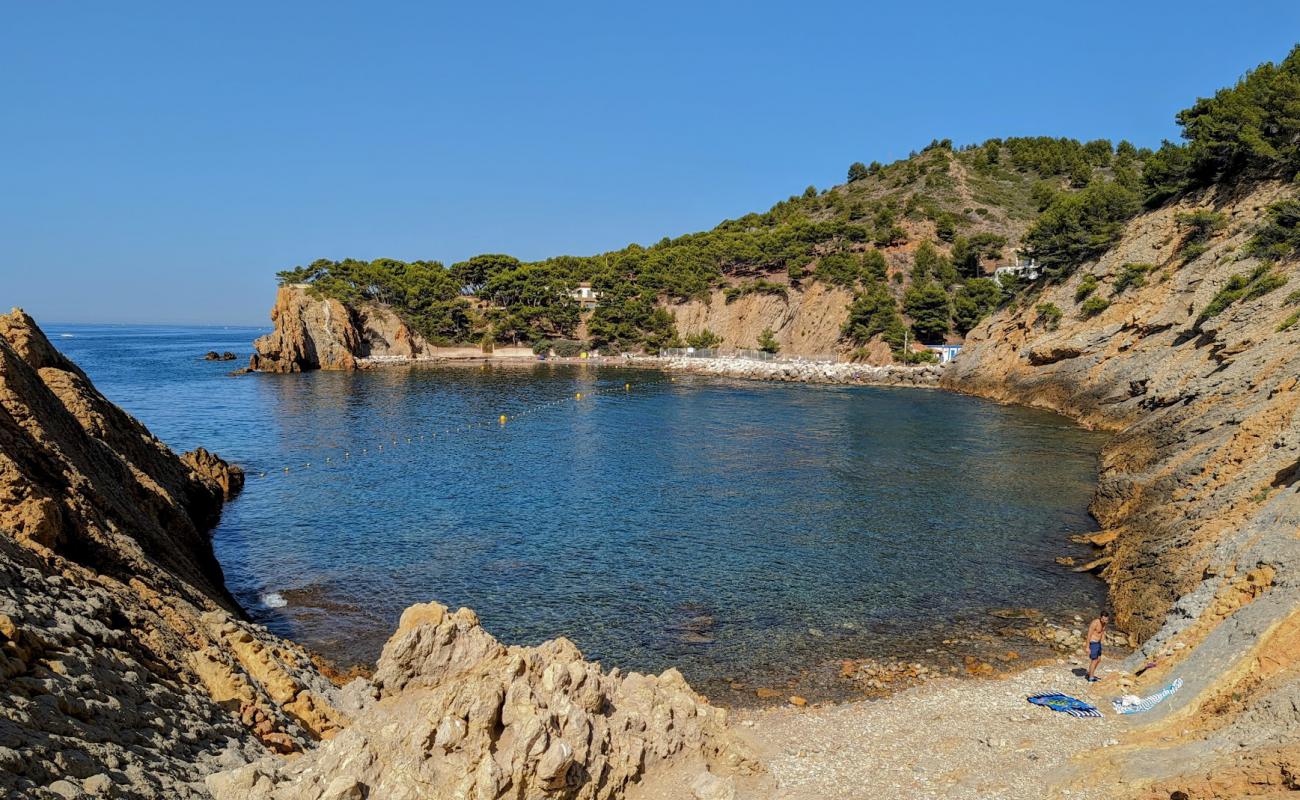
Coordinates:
1021 269
587 297
945 352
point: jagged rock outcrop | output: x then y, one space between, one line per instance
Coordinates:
1198 490
229 477
454 713
322 333
126 669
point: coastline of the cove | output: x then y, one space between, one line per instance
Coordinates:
680 631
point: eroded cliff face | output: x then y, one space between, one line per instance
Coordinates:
1197 495
805 322
322 333
126 669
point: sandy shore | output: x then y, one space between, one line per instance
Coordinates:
952 738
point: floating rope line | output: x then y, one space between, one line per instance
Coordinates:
501 422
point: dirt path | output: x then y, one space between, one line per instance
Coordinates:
947 739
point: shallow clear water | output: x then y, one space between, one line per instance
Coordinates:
731 529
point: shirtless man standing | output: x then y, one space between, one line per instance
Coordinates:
1096 631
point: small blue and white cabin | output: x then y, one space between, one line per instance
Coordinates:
945 352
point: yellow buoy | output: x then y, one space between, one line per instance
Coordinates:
503 419
627 387
578 396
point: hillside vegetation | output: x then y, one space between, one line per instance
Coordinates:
915 240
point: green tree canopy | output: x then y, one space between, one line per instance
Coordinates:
474 273
927 305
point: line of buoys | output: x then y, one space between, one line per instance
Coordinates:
394 441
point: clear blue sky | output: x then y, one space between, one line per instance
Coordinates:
160 161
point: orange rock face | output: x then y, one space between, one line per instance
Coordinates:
310 333
121 652
321 333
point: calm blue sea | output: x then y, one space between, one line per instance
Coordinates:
737 530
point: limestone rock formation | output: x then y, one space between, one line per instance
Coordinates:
457 714
1198 491
806 321
321 333
126 669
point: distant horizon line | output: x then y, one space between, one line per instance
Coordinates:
65 324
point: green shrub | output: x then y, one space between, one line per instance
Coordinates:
767 341
917 356
1191 251
1087 285
756 286
1265 284
874 266
1093 306
1131 275
1050 315
1278 238
1287 323
568 348
1200 224
704 340
838 269
1241 287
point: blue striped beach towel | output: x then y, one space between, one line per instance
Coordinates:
1147 703
1064 704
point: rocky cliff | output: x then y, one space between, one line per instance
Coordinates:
127 670
322 333
806 322
1197 494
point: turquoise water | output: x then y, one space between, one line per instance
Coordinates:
736 530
